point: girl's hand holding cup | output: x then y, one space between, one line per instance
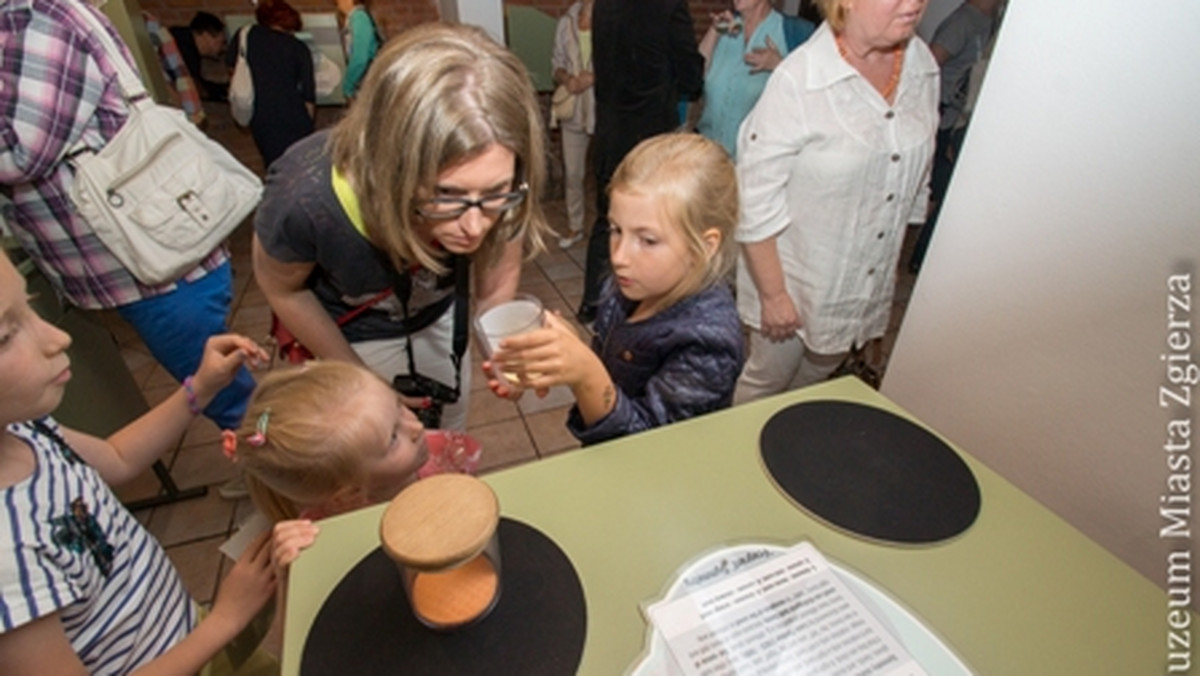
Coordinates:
541 359
498 324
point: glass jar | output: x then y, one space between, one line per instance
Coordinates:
441 532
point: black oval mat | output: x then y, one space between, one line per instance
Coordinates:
538 626
870 472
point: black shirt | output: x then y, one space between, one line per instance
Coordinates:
186 41
646 61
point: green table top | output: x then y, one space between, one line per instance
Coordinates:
1020 592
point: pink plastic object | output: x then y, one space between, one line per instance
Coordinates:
450 452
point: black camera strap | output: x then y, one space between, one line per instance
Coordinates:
462 302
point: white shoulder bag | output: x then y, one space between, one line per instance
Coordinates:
160 195
241 84
327 75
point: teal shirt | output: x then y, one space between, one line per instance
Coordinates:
730 90
361 42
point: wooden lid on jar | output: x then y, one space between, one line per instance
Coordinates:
439 522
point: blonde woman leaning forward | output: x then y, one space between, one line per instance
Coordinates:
833 162
436 167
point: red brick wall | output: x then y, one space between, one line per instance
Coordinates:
701 10
392 15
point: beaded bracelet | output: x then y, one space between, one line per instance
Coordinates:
190 392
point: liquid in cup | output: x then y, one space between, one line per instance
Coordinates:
521 314
441 532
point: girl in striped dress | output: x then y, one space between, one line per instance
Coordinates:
83 586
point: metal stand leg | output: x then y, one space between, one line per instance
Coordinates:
170 492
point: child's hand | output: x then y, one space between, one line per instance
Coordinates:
223 356
290 538
500 386
541 359
248 586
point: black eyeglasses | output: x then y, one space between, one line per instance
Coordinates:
448 208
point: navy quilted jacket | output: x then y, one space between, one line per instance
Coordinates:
678 364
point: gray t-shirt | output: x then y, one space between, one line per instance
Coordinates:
963 34
301 221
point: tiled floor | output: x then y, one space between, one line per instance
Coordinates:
192 530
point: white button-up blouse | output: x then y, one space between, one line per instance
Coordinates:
833 170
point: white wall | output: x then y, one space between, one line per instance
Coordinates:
1034 335
487 14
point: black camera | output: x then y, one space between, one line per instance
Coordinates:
419 386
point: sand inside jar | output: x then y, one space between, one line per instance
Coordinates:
456 596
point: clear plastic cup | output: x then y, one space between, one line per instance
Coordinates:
450 451
521 314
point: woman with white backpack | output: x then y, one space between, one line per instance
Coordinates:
281 68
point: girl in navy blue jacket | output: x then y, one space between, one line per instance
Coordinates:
668 342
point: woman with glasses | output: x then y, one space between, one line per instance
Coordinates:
365 231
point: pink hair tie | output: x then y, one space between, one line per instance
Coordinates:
259 438
229 444
229 440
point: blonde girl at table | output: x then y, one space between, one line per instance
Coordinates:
668 344
84 588
321 440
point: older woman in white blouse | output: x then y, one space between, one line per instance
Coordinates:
833 162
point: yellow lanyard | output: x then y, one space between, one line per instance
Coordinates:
349 201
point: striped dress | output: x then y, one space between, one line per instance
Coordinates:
68 545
